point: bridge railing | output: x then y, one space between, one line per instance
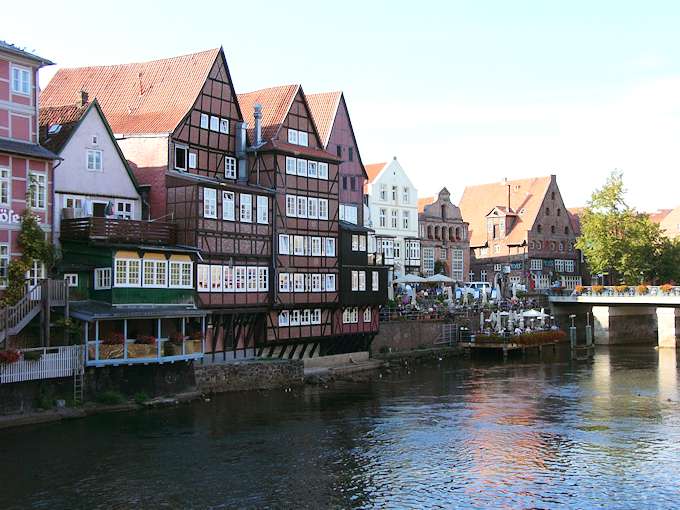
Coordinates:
671 291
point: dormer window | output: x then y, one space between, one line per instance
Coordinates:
54 129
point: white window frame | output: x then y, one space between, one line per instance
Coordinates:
229 167
229 206
301 209
203 278
251 279
193 158
245 208
102 278
291 206
295 317
23 80
303 138
316 282
95 157
284 282
185 268
298 282
323 171
71 279
38 192
205 121
127 280
5 186
284 244
569 266
263 279
362 243
262 210
292 136
240 279
312 169
306 317
355 242
312 208
323 208
382 215
227 279
125 214
299 245
214 123
367 315
284 318
375 281
355 281
329 282
316 246
329 243
316 316
156 264
362 281
216 278
210 203
224 126
291 165
302 167
536 264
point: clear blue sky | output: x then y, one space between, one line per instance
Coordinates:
460 92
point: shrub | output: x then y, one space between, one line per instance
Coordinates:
642 289
111 397
146 340
9 356
140 397
597 289
114 339
32 355
666 288
621 288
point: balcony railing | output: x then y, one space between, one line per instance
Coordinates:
120 231
43 363
162 350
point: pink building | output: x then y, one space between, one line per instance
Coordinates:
25 166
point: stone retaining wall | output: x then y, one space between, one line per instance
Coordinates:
249 375
406 335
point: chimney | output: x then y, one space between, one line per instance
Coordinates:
82 98
258 124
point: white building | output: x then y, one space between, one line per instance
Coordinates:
393 214
93 178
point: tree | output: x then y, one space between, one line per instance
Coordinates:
615 236
440 267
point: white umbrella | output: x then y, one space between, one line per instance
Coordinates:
465 297
481 321
409 278
533 314
439 278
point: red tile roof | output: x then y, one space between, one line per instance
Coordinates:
659 215
324 108
373 169
575 214
67 117
670 224
275 101
146 97
526 197
422 202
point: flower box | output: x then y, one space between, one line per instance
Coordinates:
193 346
142 351
106 351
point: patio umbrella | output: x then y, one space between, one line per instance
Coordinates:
410 278
533 314
439 278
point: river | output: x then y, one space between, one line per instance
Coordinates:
456 434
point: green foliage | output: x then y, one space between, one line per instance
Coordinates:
440 267
45 398
34 246
140 397
111 397
615 236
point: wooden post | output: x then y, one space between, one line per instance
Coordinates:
96 339
67 334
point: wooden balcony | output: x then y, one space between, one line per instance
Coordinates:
118 231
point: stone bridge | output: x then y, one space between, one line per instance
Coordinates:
623 314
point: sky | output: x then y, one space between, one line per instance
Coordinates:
461 92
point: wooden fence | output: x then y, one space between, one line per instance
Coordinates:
109 229
53 362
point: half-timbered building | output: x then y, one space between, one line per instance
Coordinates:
286 154
179 123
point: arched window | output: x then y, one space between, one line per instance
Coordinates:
436 232
539 228
451 236
444 231
566 230
458 238
429 231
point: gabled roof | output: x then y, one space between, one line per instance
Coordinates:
659 215
422 202
138 98
15 50
70 117
275 102
526 197
373 169
324 109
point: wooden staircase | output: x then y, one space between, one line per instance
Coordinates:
48 294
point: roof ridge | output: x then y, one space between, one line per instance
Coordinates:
125 64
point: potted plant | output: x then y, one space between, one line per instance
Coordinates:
112 347
144 347
666 288
597 289
9 356
620 289
642 289
195 343
173 347
578 289
32 355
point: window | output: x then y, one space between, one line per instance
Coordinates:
383 217
559 211
375 281
37 192
209 203
4 186
405 196
559 265
227 279
284 282
497 268
21 80
566 230
552 229
323 171
214 123
230 167
355 242
355 280
303 138
482 275
316 246
569 266
71 279
205 120
295 318
316 282
180 157
262 210
102 278
395 218
298 282
354 315
155 273
362 280
124 210
404 221
353 183
350 153
312 169
471 276
263 279
367 315
397 249
216 278
181 274
239 279
305 317
127 272
224 126
350 214
228 205
292 136
192 160
483 252
323 209
301 207
561 245
299 245
394 194
313 208
302 167
538 228
246 207
346 315
497 248
547 211
291 166
284 244
536 264
428 260
383 192
291 210
330 247
251 279
329 283
316 316
284 318
94 160
202 278
338 151
457 264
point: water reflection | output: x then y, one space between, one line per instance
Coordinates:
482 434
